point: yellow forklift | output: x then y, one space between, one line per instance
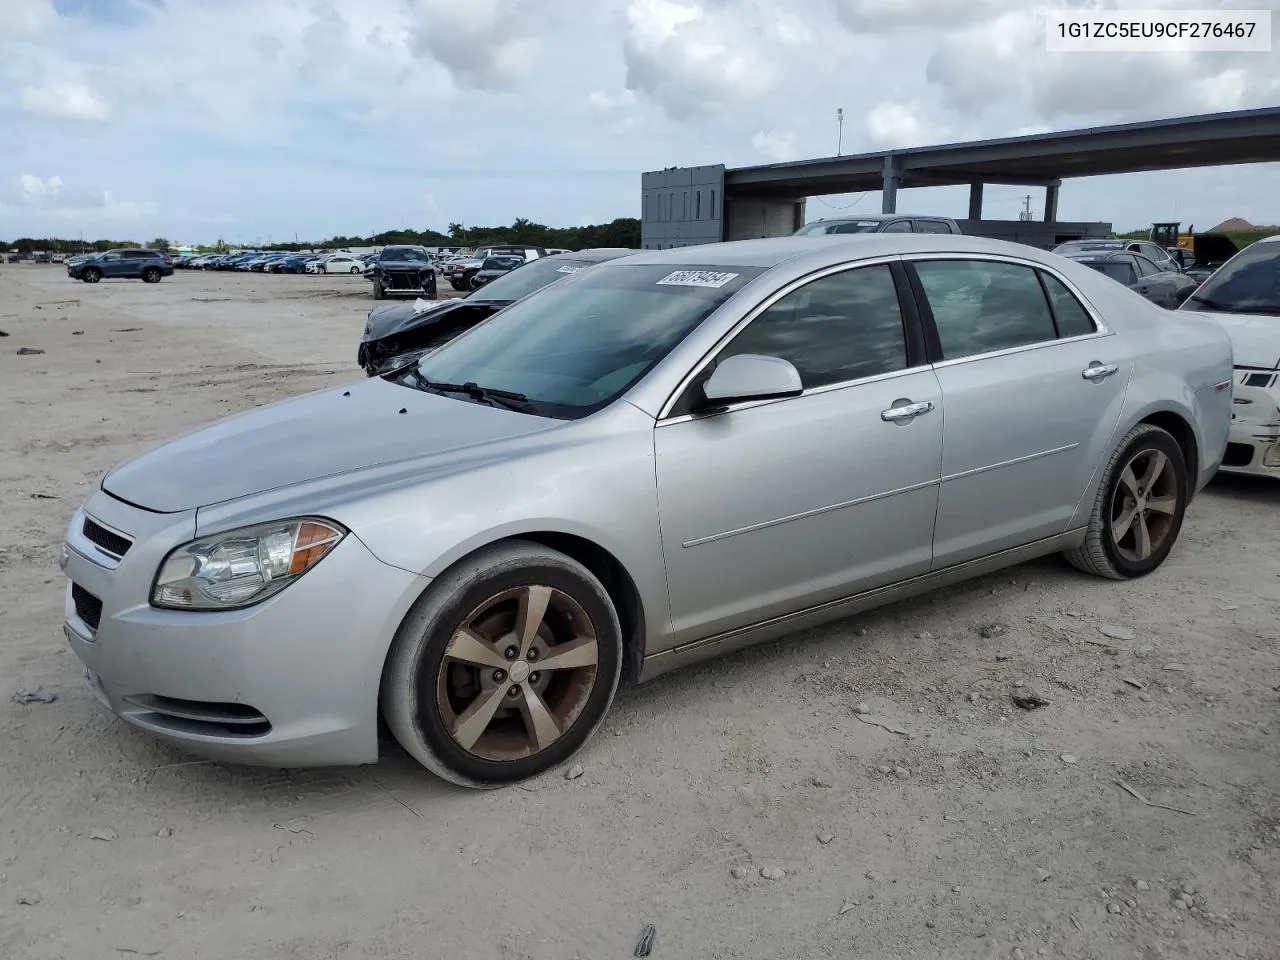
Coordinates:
1167 235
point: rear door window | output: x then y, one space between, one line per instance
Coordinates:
897 226
1070 316
980 306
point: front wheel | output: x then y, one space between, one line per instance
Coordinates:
379 292
1139 509
91 275
504 667
354 270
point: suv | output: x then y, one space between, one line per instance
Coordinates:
402 271
127 264
879 223
460 272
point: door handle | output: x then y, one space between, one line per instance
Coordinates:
1097 372
903 411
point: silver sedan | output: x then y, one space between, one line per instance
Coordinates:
667 456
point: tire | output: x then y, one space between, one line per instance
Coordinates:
354 270
425 701
151 275
1126 556
91 275
379 292
455 284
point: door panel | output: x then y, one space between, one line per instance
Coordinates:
1025 433
1025 429
767 509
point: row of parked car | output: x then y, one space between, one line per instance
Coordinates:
257 261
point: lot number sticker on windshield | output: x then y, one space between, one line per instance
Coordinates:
696 278
568 270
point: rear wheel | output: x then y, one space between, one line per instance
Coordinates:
151 275
1139 509
91 275
505 666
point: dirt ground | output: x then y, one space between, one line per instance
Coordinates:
983 830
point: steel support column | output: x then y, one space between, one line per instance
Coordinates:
892 177
1051 203
975 201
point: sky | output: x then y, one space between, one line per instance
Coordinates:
262 120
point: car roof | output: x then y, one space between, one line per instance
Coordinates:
831 249
1117 255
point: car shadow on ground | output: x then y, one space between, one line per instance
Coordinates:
1243 488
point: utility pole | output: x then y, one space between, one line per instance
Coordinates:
1026 208
839 129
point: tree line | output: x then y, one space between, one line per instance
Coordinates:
622 232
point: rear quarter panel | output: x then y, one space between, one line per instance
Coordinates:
1178 361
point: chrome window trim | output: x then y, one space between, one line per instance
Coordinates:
1101 329
664 415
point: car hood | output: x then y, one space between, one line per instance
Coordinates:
402 265
338 431
397 318
1255 339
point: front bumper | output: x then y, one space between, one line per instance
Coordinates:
1254 444
290 682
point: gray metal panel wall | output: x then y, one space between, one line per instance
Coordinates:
682 206
1035 233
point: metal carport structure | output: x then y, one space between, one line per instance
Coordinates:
774 193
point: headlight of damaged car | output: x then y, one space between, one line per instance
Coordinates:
242 567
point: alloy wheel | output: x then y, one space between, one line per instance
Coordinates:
1144 505
517 673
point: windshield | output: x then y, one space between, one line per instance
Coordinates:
575 346
838 226
1247 283
534 275
403 254
502 263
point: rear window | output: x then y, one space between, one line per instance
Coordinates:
1118 270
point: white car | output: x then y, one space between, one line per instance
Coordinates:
343 263
1243 295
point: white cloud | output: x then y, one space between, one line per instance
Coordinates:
693 60
25 17
488 45
605 101
891 125
38 188
778 145
883 16
65 100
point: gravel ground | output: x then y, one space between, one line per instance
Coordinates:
749 807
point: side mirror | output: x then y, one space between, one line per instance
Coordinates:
751 376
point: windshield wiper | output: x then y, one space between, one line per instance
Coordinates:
504 398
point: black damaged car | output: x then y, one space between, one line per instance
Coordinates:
398 334
402 272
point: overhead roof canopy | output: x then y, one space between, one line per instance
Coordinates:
1216 139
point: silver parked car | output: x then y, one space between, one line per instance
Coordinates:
670 455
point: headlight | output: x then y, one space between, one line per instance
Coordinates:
242 567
